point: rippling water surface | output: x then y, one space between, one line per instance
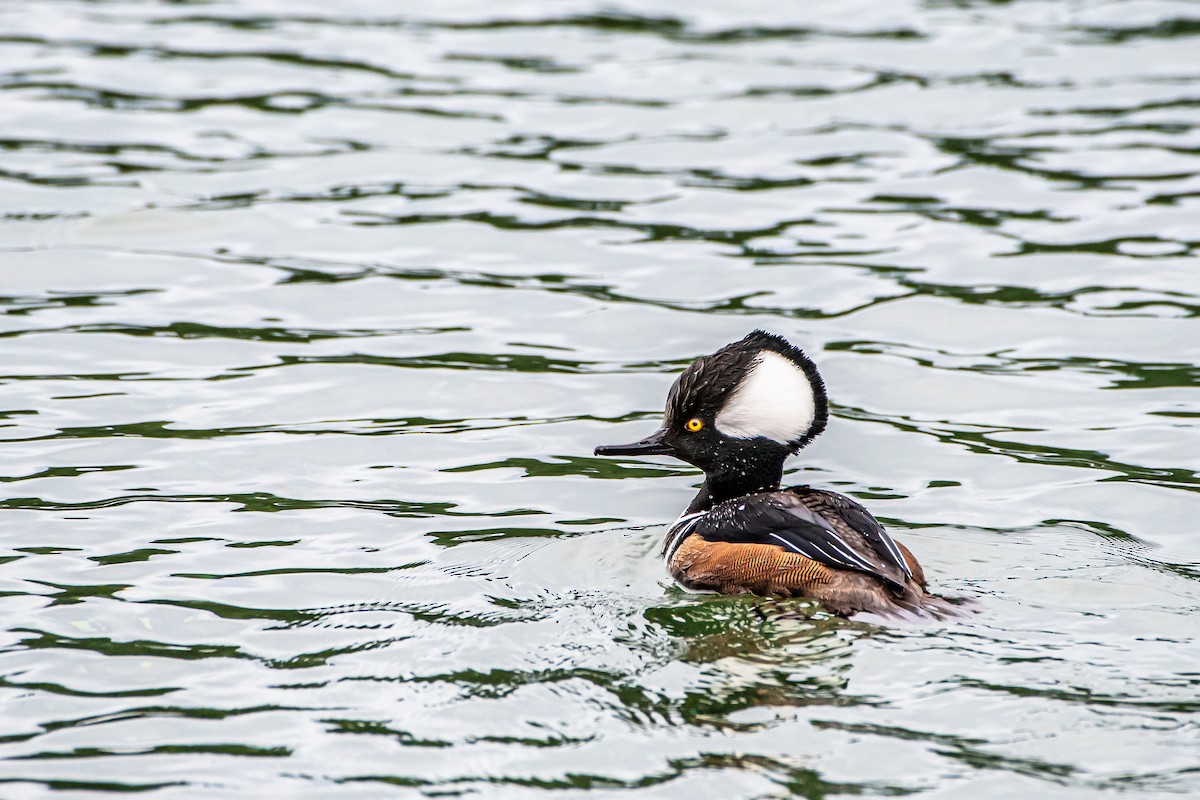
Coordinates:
312 314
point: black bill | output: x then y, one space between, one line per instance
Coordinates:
652 445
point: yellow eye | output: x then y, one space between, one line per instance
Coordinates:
693 424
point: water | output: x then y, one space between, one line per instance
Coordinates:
313 316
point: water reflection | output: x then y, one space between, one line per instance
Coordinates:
377 280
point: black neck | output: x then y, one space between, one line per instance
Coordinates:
737 480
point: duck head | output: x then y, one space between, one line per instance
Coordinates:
738 414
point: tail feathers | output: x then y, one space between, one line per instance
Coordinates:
919 604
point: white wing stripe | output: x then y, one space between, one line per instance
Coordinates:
840 545
791 545
846 556
823 552
797 548
891 546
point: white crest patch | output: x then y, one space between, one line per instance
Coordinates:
775 400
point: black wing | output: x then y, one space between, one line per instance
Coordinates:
783 519
837 508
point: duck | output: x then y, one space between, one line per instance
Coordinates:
738 415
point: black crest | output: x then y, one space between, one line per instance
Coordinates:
705 386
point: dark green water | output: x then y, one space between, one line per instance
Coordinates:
311 315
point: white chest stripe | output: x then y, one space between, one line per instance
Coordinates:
775 400
679 531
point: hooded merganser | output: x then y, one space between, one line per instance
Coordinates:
738 414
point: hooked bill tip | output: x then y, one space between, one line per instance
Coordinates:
652 445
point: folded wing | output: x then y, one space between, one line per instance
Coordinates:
785 520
